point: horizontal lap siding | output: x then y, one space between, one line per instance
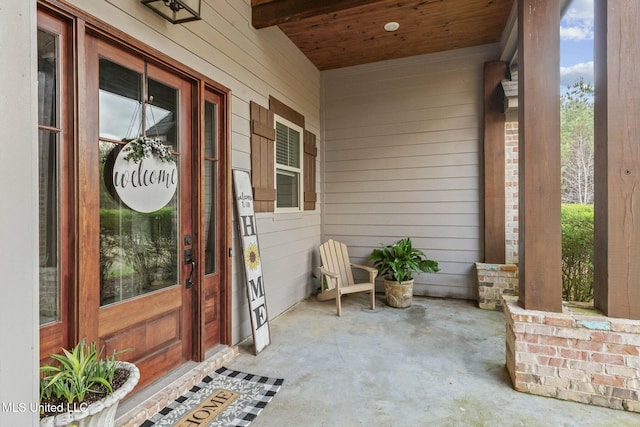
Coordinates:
283 244
253 64
402 157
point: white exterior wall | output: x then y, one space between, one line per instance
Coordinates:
254 64
402 158
19 316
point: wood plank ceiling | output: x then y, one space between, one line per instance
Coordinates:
341 33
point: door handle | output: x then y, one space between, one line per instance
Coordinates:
188 259
189 281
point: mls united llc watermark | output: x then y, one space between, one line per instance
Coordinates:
43 407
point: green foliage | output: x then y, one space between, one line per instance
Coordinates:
144 147
76 373
577 252
399 260
316 280
146 256
120 221
145 242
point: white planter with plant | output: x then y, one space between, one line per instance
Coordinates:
396 264
83 390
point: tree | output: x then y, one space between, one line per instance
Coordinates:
576 115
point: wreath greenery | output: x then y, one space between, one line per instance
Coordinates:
145 147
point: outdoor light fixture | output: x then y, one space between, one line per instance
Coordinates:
175 11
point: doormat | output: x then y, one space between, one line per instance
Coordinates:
223 398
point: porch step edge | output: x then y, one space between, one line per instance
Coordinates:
147 408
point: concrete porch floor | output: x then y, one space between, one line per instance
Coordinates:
438 363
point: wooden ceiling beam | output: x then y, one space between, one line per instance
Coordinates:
265 13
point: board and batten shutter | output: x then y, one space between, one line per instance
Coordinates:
310 154
263 136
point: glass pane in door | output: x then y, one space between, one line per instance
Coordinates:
120 98
210 186
210 130
161 113
138 251
47 79
49 226
48 177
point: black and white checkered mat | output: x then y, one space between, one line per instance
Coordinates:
238 396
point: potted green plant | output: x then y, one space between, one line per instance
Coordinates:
396 264
82 389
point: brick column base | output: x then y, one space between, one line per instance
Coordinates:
586 358
494 282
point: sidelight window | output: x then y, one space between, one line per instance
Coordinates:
210 185
49 141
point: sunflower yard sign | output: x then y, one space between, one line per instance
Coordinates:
251 257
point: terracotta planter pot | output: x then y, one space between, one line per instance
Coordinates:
101 413
399 294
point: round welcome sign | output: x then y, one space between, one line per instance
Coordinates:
145 184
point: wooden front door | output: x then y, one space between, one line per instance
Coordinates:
144 298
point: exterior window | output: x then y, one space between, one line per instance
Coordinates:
49 134
288 169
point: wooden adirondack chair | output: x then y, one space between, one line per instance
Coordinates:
337 275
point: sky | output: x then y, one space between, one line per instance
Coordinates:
576 43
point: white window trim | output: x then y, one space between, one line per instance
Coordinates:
300 170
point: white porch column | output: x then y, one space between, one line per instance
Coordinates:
19 318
